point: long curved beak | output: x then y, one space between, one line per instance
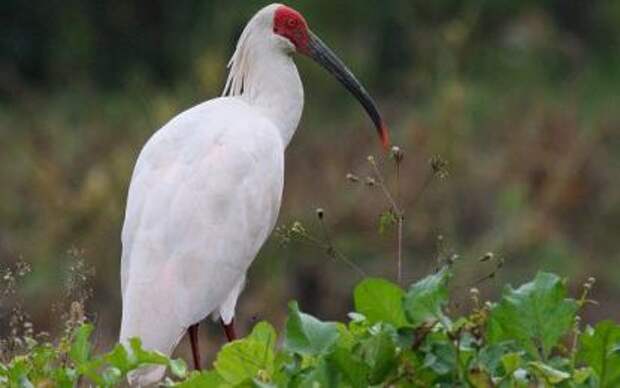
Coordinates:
320 53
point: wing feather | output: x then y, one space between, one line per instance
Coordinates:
204 197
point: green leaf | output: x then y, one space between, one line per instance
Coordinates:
353 370
202 379
582 374
144 356
440 355
511 362
119 357
19 369
178 368
80 347
63 377
380 301
597 351
43 358
244 359
265 333
323 375
479 378
548 373
490 357
536 315
307 335
256 383
111 376
425 299
386 221
379 353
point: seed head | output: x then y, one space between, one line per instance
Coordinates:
439 167
487 256
353 178
397 153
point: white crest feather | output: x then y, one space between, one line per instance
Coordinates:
239 64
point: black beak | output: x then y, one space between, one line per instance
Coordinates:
319 52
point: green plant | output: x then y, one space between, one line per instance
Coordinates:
400 337
71 360
395 337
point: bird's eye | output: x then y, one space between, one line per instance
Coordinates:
292 23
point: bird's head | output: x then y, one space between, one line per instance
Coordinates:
291 30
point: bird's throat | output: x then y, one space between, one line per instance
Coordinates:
272 84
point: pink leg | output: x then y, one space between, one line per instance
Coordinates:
229 330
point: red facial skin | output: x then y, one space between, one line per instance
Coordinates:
290 24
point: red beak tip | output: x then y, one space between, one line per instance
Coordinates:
385 138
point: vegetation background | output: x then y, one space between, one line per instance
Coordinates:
522 98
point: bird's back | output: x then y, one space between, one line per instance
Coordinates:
203 198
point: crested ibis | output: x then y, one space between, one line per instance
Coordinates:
206 189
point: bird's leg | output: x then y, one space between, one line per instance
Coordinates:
193 339
229 329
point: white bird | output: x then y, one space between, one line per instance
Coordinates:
206 189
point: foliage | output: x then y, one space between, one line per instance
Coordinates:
395 337
72 360
84 84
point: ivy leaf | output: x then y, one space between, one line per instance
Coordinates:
307 335
425 299
246 358
536 315
380 301
597 351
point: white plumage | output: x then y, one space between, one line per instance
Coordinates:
205 195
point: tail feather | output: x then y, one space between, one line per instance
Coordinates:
157 329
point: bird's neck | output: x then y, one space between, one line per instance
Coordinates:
272 84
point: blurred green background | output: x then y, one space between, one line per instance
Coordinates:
521 97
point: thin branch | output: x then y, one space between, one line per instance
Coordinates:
400 218
331 249
383 186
